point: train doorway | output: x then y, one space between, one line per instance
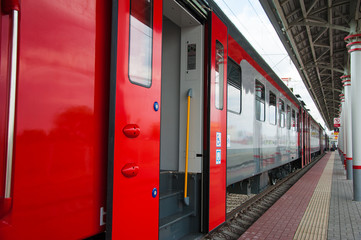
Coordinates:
182 76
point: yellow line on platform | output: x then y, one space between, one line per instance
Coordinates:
314 222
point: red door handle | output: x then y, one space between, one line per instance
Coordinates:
131 130
130 170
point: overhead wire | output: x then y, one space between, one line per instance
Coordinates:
250 36
256 43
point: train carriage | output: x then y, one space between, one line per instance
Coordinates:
133 119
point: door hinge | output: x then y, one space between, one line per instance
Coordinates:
102 214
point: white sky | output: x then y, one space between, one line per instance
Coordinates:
250 18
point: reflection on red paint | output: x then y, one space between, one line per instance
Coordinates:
218 124
61 120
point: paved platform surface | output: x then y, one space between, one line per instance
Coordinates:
344 215
318 206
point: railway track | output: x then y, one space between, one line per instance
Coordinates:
242 217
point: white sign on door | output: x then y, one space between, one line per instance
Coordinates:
218 139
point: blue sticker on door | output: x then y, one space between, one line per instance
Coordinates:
218 139
218 156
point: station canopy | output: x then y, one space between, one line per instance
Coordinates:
313 33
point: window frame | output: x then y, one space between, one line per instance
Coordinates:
293 120
298 129
261 99
151 47
231 63
281 111
275 105
220 93
288 117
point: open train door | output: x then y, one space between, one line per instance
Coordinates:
134 125
216 122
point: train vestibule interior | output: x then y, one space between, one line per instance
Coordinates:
182 75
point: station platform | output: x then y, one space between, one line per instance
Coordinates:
318 206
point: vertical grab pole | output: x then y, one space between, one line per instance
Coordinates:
186 198
13 70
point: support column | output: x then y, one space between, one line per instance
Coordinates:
354 46
346 80
340 134
344 143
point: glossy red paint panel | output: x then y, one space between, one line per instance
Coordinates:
237 53
308 139
61 121
5 25
218 124
301 132
133 203
305 138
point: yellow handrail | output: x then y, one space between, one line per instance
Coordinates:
186 199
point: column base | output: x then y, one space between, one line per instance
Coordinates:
349 169
357 183
341 156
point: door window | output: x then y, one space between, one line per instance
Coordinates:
260 97
234 74
272 108
219 75
281 109
140 42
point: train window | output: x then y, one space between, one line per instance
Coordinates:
288 117
260 104
281 109
298 123
293 120
234 79
140 42
272 108
219 67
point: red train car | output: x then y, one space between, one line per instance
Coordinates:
55 64
115 119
